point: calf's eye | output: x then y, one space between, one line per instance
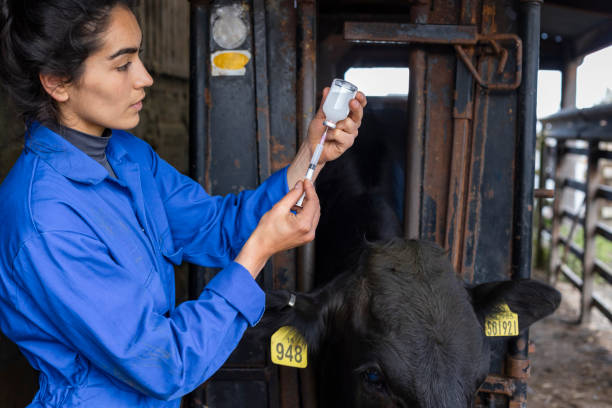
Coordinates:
373 377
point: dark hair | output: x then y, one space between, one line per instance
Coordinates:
50 37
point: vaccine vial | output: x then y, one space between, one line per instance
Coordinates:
336 105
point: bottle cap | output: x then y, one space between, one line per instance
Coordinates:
329 124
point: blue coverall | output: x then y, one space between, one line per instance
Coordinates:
87 275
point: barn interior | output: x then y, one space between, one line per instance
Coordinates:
453 158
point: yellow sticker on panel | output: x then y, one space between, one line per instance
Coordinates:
230 63
288 348
502 322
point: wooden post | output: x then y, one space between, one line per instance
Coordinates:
589 227
539 258
554 262
568 85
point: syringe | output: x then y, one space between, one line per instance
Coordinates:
335 108
313 163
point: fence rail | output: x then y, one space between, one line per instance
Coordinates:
577 134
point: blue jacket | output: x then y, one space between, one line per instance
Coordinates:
87 272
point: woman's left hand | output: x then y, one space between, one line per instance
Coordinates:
338 140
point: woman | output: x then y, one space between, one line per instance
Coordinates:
94 220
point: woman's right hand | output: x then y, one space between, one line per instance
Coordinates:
280 229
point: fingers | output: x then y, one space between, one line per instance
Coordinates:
343 136
362 99
311 208
320 114
356 107
311 201
305 221
316 127
353 121
346 130
287 203
348 125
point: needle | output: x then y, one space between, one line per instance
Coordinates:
313 163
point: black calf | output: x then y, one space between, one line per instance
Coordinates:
401 330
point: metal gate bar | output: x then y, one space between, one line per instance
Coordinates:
590 126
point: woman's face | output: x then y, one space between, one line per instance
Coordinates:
109 94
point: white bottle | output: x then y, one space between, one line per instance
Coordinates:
336 105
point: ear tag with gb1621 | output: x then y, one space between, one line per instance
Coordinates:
502 322
288 348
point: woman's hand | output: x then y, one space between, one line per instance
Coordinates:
337 141
280 229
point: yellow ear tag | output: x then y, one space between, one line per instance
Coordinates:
502 322
288 348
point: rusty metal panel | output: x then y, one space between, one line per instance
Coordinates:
447 12
463 115
411 33
491 185
282 80
261 89
495 384
493 257
459 167
233 166
438 143
281 23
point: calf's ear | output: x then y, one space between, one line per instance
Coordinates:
530 299
307 312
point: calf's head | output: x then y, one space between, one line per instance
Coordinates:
401 330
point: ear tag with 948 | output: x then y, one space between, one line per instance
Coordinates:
288 348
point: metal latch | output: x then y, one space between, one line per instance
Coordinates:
459 36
